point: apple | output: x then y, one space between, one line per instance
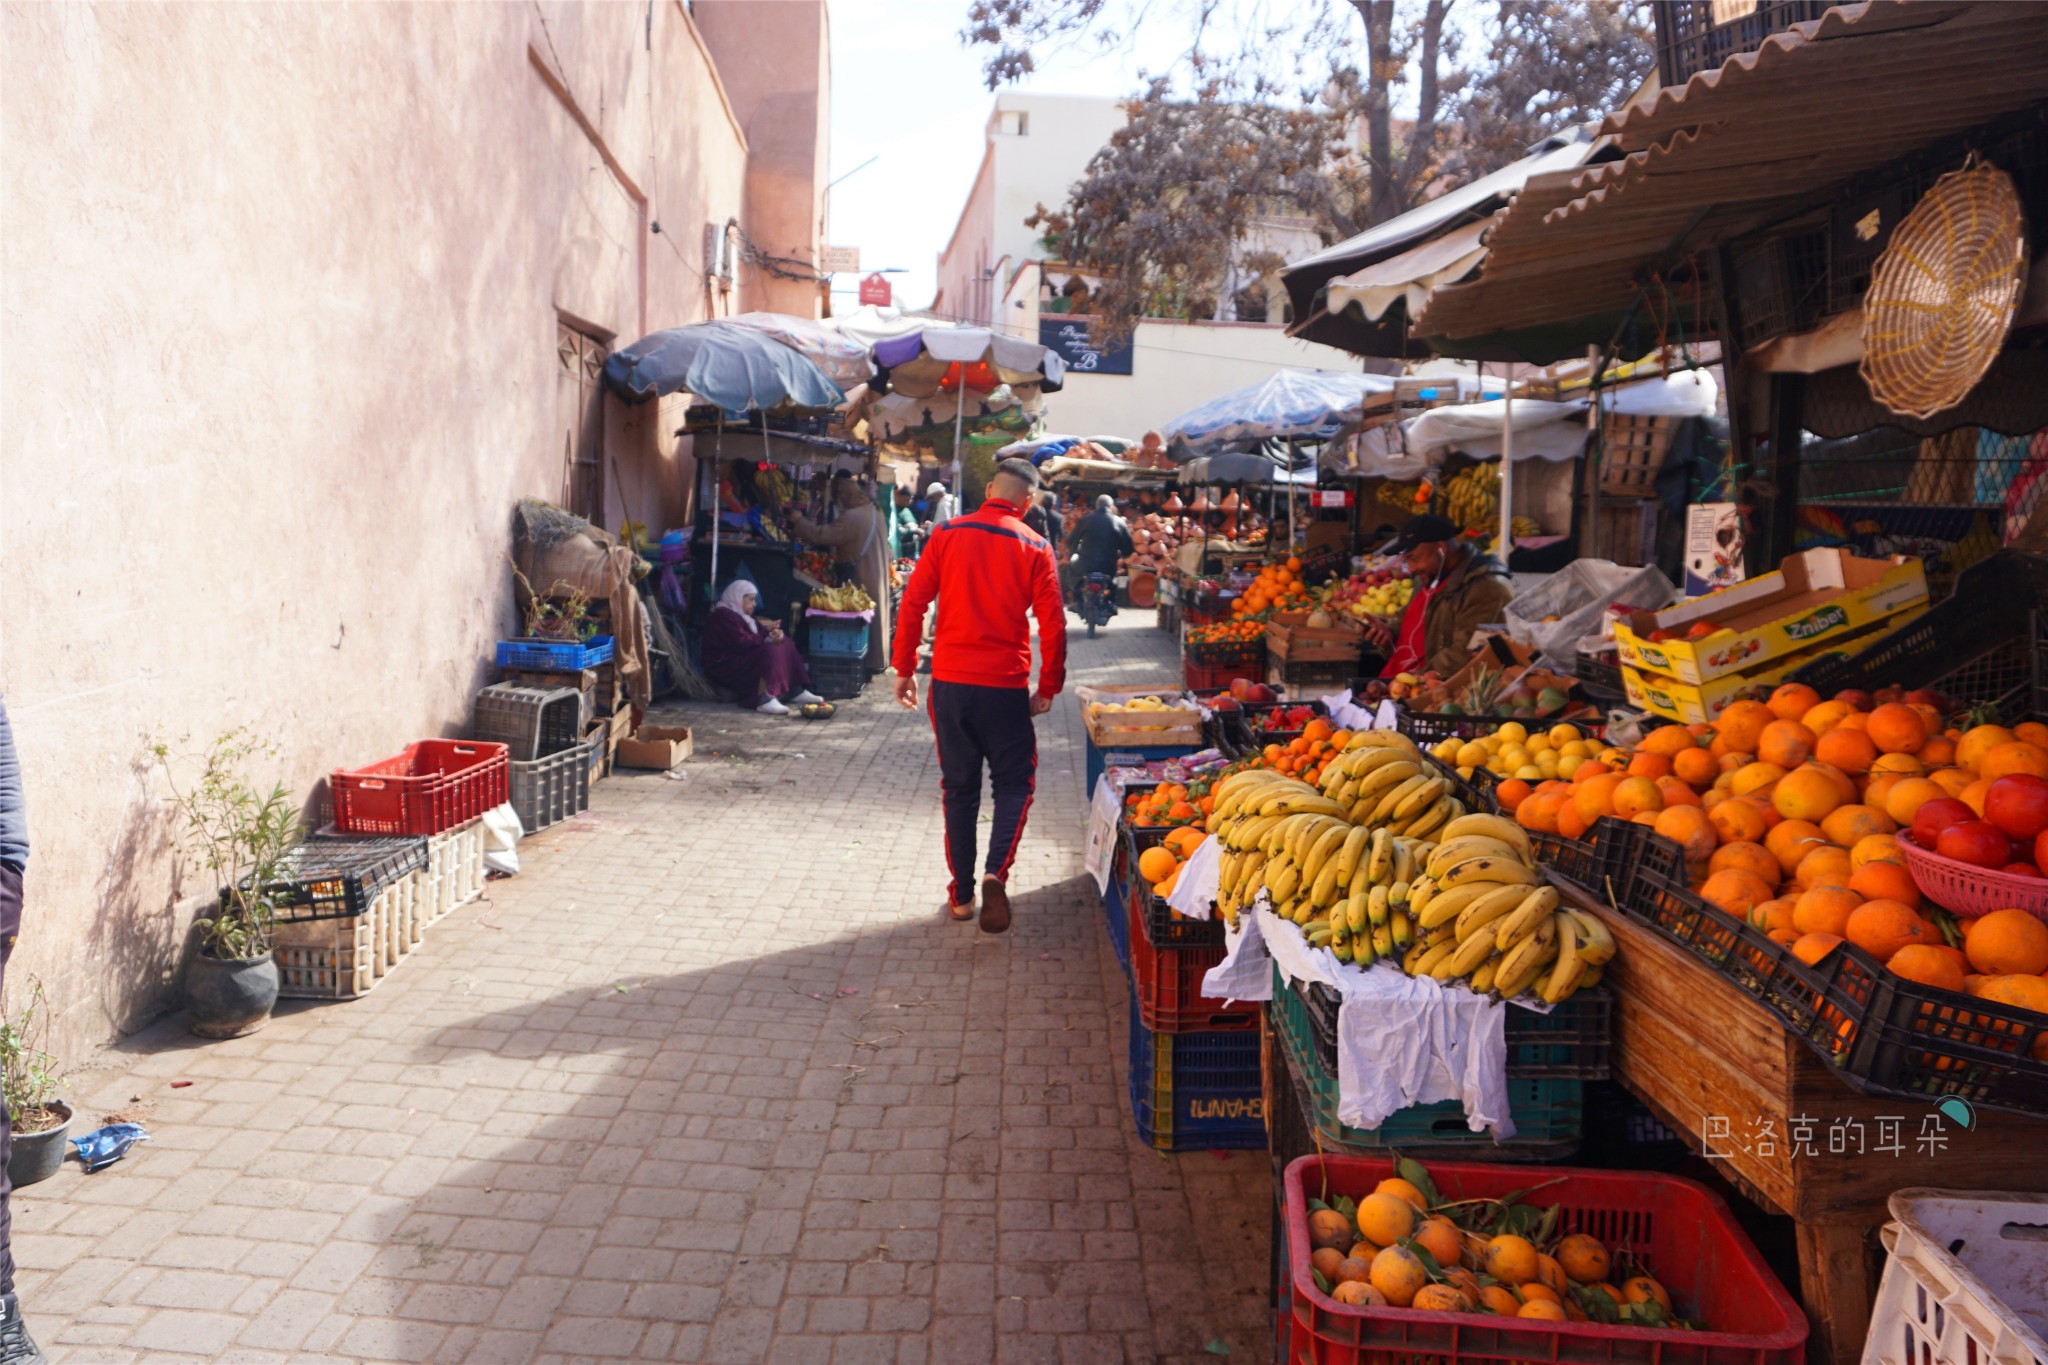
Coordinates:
1937 815
2041 849
1855 697
2020 870
1977 842
2018 804
1926 696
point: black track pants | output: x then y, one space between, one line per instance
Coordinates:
976 726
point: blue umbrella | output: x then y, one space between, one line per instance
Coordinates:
734 366
1300 405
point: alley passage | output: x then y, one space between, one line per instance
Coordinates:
710 1081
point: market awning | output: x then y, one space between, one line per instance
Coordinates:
1389 252
1289 404
1816 105
1410 276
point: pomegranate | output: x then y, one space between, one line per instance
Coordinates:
2018 804
1977 842
1937 815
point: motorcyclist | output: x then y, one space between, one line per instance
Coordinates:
1099 542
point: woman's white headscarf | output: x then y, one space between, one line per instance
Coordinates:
734 598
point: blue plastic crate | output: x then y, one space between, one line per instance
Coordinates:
836 638
1194 1092
1549 1115
555 656
1115 911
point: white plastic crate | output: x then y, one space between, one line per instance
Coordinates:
455 870
1966 1282
340 959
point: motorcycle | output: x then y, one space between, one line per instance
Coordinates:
1098 601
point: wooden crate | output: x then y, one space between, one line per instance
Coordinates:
1715 1066
1633 453
1290 639
1153 730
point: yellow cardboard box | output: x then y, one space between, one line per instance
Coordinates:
1690 702
1814 597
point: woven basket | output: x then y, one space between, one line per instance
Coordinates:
1944 292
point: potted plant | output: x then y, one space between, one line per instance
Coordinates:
242 835
30 1081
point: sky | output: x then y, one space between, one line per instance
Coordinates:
907 91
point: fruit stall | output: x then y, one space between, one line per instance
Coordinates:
1809 937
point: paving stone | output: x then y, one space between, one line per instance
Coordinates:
817 1124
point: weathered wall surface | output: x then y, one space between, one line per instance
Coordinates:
775 57
281 294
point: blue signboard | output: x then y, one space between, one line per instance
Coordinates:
1070 337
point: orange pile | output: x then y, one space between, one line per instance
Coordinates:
1277 588
1169 803
1240 631
1160 865
1787 808
1305 756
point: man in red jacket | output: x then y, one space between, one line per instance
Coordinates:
992 573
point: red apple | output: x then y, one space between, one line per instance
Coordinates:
1977 842
1926 696
2041 849
1937 815
2018 804
1854 696
2020 870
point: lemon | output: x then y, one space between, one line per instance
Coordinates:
1514 731
1530 772
1539 744
1471 755
1563 734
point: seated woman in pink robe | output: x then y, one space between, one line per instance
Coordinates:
757 661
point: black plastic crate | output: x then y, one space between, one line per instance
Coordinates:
1600 676
1974 646
531 722
1163 928
1886 1035
1602 863
1429 728
338 878
836 679
1569 1043
1475 793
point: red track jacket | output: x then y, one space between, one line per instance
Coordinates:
991 569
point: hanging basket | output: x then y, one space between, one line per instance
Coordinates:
1944 293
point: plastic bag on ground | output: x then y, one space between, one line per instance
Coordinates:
501 840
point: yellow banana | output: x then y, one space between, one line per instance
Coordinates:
1427 963
1384 810
1378 906
1443 907
1569 967
1419 800
1533 911
1354 911
1489 909
1381 859
1482 980
1353 850
1488 868
1492 827
1509 984
1403 869
1596 941
1532 952
1470 953
1450 852
1325 847
1382 739
1384 779
1383 940
1280 885
1324 892
1425 825
1402 930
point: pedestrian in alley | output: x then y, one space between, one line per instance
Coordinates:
1100 542
991 574
16 1346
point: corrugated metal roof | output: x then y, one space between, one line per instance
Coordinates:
1816 105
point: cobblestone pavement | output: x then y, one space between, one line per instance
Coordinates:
710 1081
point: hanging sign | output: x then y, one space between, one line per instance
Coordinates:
836 259
875 289
1329 497
1713 547
1071 337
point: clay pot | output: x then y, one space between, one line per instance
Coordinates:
227 998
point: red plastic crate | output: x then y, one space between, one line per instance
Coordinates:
1684 1231
1200 677
432 787
1169 987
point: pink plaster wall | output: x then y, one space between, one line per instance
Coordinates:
280 295
775 56
964 289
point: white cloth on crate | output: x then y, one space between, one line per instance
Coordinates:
1401 1040
1246 972
1194 891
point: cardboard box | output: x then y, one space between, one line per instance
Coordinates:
1289 637
655 747
1689 702
1816 596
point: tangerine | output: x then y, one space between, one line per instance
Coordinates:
1930 965
1595 796
1384 1219
1897 765
1652 766
1824 865
1735 892
1849 750
1896 728
1811 948
1904 801
1402 1189
1511 1259
1739 726
1791 840
1806 794
1846 825
1743 856
1691 829
1792 700
1786 743
1634 796
1825 910
1756 779
1439 1298
1884 882
2015 756
1774 914
2006 943
1875 848
1695 766
1398 1275
1359 1294
1583 1258
1881 928
1676 793
1541 1310
1738 819
1825 717
1980 740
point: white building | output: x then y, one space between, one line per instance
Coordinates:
993 273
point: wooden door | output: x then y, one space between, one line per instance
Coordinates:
579 410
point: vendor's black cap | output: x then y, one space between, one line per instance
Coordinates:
1424 530
1020 469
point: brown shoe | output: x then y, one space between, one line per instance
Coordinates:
995 906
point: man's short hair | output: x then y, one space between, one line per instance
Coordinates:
1020 469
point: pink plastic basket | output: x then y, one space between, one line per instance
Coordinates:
1969 890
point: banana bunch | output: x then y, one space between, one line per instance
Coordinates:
1472 497
1382 779
850 597
1484 916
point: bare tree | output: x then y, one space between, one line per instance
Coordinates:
1165 210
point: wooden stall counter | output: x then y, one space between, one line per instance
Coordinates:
1725 1075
